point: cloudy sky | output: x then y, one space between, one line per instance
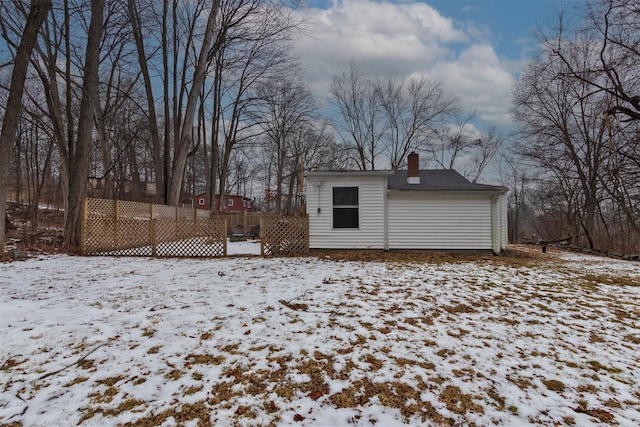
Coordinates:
475 47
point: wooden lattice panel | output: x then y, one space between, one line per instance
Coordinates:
99 235
186 213
164 212
248 220
100 208
202 213
134 210
203 237
127 229
284 235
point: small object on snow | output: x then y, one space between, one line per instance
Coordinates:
17 254
294 306
220 273
298 417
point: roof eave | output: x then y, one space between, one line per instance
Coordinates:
314 174
497 190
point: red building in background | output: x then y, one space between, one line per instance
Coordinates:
234 203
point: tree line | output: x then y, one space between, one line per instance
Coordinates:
162 100
575 169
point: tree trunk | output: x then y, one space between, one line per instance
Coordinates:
37 14
185 138
79 166
148 87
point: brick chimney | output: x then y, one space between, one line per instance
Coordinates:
413 168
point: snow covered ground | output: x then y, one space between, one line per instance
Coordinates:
547 340
198 246
249 247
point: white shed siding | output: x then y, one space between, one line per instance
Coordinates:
371 195
439 221
504 225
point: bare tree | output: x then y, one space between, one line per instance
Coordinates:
79 155
451 142
515 175
254 41
34 152
183 133
388 117
586 89
562 132
414 110
37 14
463 147
485 149
286 110
361 122
154 132
613 29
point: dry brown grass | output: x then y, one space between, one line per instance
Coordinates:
554 385
203 359
516 255
362 350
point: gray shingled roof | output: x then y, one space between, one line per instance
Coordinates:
438 180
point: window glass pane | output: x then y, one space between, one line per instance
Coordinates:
345 218
345 196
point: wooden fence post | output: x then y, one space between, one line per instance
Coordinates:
261 237
306 232
224 236
116 213
244 221
194 231
177 227
83 229
152 232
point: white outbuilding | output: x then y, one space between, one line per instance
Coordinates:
435 209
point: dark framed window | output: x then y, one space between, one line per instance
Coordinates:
345 207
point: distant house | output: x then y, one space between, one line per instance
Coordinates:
233 203
412 209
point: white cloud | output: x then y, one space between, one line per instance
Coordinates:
482 82
404 39
381 38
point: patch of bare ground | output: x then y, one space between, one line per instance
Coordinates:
459 402
180 415
516 255
554 385
412 348
203 359
602 415
396 395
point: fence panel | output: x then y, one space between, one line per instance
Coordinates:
247 223
121 228
284 235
